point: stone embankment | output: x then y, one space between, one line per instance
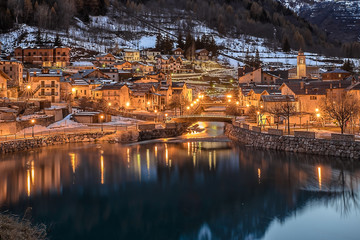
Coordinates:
171 130
30 143
301 143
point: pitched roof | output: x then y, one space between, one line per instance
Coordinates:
278 98
316 87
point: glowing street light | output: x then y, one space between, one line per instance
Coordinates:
109 104
127 104
229 100
318 115
73 90
102 118
237 103
28 87
155 111
316 110
33 124
166 115
247 105
191 104
187 107
148 103
229 96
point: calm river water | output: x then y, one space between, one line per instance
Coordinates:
184 188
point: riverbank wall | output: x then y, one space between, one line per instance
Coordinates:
16 145
30 143
303 142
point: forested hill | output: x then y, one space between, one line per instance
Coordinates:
260 18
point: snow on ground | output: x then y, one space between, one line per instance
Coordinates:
32 116
66 123
102 32
147 42
29 130
117 120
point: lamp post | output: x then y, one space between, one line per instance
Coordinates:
102 122
33 124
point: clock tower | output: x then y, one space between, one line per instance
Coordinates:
301 65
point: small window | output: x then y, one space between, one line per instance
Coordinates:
313 97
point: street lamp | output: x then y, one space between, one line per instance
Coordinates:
28 87
102 122
33 124
187 107
109 104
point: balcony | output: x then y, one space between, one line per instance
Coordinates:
49 94
49 85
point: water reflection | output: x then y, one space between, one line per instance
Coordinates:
187 190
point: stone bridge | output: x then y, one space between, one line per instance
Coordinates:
202 118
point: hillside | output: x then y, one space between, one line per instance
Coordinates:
340 19
129 20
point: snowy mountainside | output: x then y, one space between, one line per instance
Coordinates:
340 19
104 32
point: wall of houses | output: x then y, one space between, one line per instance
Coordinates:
324 147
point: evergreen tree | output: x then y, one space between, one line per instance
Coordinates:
39 40
348 66
257 61
180 42
159 42
57 42
286 45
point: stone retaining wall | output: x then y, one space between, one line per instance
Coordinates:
25 144
315 146
178 130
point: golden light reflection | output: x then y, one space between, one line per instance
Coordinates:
166 155
319 175
32 172
259 175
210 159
28 182
188 146
156 151
139 165
102 168
73 161
194 159
148 161
128 155
214 159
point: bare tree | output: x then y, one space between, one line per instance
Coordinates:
276 113
288 109
341 108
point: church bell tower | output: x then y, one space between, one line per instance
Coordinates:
301 65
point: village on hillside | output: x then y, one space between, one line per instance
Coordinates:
46 88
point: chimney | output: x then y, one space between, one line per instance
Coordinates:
301 85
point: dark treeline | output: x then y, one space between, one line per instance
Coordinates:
261 18
52 14
188 44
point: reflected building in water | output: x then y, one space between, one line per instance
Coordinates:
197 187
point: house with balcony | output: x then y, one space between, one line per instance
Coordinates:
44 56
105 60
131 55
44 84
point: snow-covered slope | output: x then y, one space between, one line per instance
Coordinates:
340 18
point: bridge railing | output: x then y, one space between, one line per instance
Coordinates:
204 116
